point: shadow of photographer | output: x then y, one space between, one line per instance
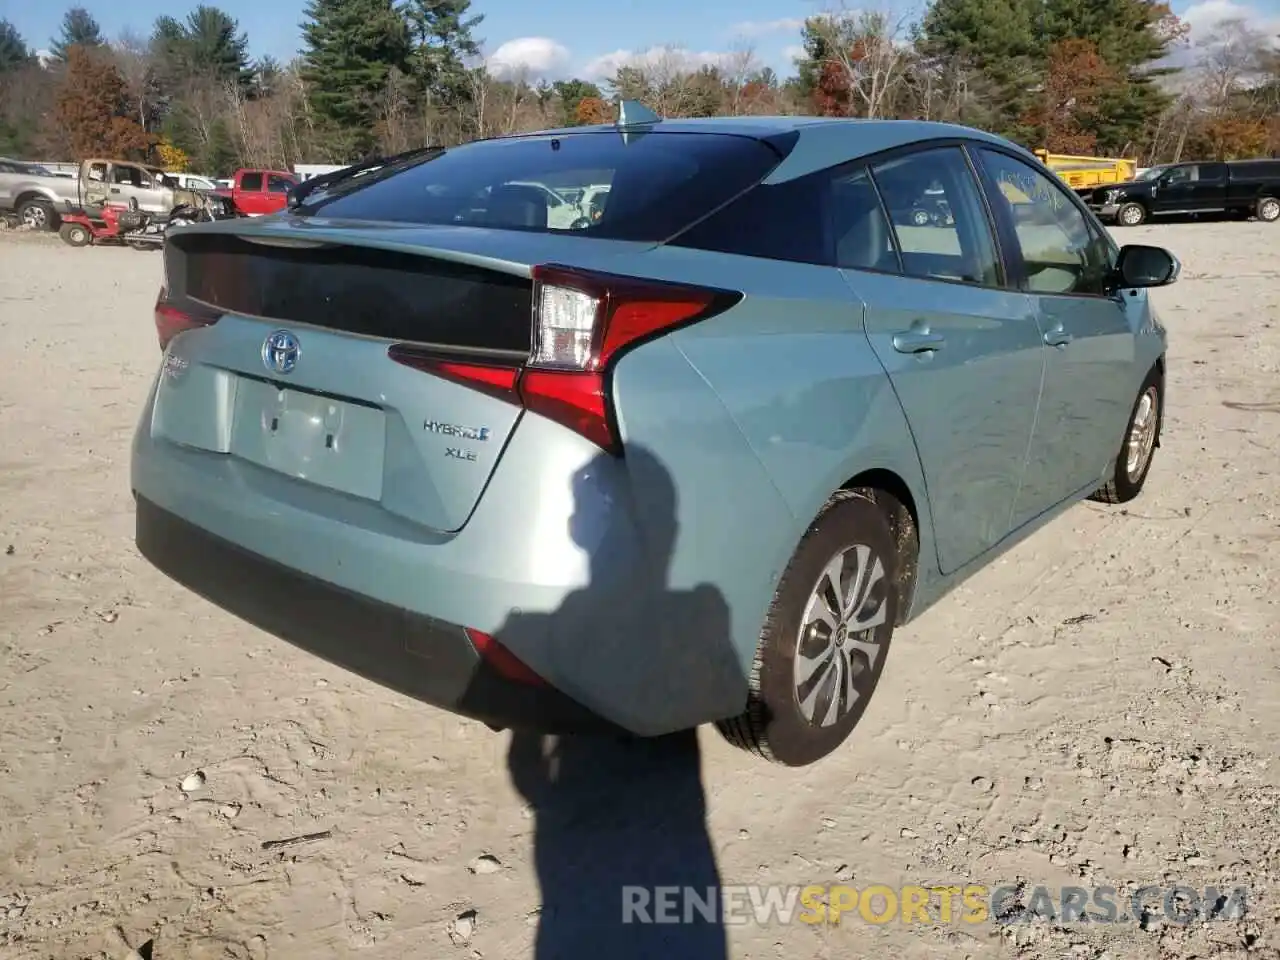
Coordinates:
616 818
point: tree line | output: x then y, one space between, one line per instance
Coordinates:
1114 78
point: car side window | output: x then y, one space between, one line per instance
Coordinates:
251 182
780 221
278 184
937 215
1213 172
1060 252
1185 174
862 236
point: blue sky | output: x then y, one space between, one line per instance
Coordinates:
562 37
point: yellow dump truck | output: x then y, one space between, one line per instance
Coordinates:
1085 173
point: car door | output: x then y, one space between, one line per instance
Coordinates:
249 193
1209 189
278 187
1059 255
95 185
124 185
962 350
1175 191
154 195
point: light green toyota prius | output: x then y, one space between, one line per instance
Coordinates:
686 454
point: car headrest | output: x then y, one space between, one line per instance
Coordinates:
861 235
518 206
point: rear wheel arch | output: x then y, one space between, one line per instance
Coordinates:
894 497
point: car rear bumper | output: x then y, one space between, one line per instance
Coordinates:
360 586
419 656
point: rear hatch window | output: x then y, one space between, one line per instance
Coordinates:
636 186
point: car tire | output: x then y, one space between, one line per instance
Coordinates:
812 677
1141 439
1268 209
1131 215
37 214
75 234
921 218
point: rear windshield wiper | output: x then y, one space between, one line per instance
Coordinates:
303 190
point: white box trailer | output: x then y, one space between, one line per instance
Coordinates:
305 171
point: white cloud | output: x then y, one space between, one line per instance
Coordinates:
533 57
1207 15
761 28
673 59
794 53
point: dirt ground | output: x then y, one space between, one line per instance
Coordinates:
1097 708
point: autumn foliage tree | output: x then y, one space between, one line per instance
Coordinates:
591 110
93 109
1077 81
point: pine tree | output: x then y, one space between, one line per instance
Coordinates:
13 49
442 38
78 29
1013 44
209 44
351 47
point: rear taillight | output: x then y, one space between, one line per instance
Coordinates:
582 323
171 321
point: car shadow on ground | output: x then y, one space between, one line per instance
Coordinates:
617 817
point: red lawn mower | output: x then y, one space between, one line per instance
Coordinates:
113 223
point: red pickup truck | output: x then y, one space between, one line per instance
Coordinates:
258 192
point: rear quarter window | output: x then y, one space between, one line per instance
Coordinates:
782 221
251 181
645 186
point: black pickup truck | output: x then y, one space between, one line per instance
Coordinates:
1243 187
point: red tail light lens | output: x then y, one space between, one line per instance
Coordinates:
170 321
582 322
502 660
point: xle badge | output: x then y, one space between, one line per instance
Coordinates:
460 454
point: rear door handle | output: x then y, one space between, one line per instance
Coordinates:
1058 337
918 341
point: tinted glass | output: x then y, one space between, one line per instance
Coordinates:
1213 172
279 184
862 235
657 183
782 221
251 181
1060 251
938 217
1183 174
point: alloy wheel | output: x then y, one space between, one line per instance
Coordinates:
836 656
34 215
1142 434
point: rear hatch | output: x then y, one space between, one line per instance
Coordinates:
297 376
303 333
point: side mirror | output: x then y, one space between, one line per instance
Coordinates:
1142 266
